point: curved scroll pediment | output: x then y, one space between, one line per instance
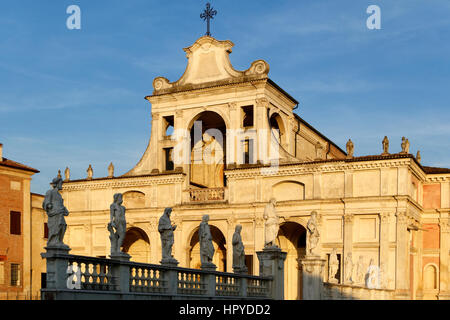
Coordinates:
209 61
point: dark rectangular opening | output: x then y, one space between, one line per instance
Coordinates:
168 125
45 230
248 116
168 158
15 275
248 151
15 222
249 263
43 280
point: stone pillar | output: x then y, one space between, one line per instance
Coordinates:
231 222
312 277
444 285
384 246
57 259
401 267
348 242
121 271
271 263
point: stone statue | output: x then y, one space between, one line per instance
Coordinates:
333 267
67 174
313 234
385 146
54 206
90 172
111 170
360 271
238 251
166 229
418 156
206 244
272 224
404 145
407 146
117 226
372 276
350 149
348 266
59 174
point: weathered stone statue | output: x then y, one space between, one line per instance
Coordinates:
90 172
418 156
350 149
348 267
206 244
404 145
333 267
117 226
166 229
360 272
407 146
111 170
238 251
54 206
372 276
67 174
59 174
385 146
272 224
313 234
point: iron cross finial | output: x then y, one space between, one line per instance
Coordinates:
207 15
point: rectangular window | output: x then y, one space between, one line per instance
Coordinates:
45 230
247 116
248 151
168 157
168 126
2 272
15 225
43 280
15 274
249 263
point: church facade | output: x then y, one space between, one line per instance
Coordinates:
225 142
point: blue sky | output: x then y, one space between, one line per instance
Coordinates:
76 97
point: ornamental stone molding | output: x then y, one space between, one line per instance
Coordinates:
232 106
402 218
306 168
384 217
123 183
153 224
444 225
259 221
262 102
349 218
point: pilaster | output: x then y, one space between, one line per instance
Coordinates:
402 256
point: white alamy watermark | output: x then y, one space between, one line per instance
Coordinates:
74 20
374 20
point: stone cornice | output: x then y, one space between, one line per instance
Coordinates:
438 177
318 167
124 182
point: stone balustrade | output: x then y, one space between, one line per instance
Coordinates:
207 194
74 277
333 291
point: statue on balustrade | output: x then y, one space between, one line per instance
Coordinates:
166 229
54 207
238 251
272 224
360 272
206 244
333 267
117 226
348 266
313 234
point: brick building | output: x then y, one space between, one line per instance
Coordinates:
15 228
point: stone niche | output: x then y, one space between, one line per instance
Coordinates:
134 199
288 190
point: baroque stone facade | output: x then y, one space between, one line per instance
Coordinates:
224 142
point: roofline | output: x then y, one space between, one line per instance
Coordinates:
19 166
126 177
270 81
319 133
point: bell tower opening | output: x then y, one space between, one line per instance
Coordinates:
208 145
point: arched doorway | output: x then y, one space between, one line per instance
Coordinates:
220 253
137 245
208 150
292 239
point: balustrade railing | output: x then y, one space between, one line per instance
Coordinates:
207 194
80 277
